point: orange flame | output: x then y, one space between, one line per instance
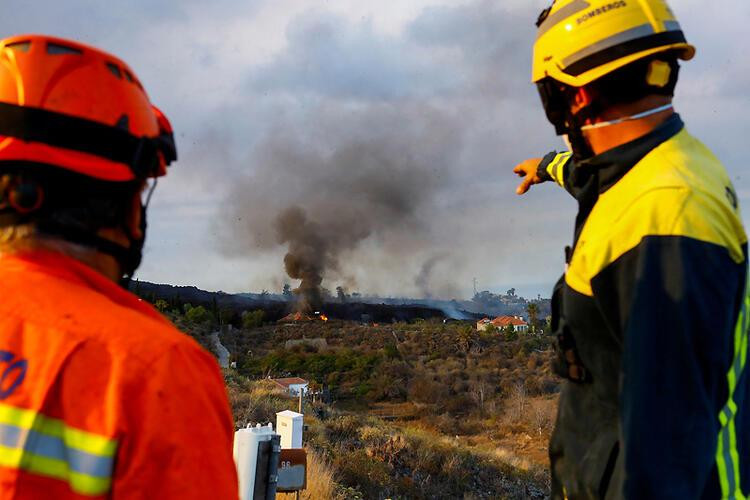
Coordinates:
324 317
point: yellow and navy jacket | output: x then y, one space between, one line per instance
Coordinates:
652 327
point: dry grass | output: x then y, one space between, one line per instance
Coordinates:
359 456
470 422
320 482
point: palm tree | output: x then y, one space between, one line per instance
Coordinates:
533 310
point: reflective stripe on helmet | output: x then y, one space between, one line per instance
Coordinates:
553 19
45 446
620 45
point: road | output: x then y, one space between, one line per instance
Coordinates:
220 350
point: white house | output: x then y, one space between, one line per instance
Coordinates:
293 385
501 322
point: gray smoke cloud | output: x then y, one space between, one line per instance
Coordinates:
425 278
371 162
237 78
367 174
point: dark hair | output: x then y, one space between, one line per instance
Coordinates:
629 83
69 199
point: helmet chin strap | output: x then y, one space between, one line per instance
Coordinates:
130 259
638 116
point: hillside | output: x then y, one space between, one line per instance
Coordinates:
275 307
356 456
421 409
345 306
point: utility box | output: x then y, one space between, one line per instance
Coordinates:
256 455
289 425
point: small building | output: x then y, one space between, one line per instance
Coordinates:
518 323
292 385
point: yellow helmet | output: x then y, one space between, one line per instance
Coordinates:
579 41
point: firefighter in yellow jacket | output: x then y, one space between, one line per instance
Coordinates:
650 315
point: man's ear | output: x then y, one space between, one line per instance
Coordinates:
134 214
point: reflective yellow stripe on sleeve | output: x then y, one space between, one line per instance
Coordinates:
727 456
46 446
556 168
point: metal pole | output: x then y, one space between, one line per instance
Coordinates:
300 401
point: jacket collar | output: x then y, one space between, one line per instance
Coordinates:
609 167
594 176
73 271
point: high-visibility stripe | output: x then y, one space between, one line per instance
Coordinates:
556 168
638 39
46 446
562 14
727 456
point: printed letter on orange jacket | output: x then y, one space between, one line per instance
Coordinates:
100 397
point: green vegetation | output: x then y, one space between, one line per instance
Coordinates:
197 315
419 410
450 369
252 319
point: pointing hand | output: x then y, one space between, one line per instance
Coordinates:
527 170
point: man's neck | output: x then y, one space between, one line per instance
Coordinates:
606 138
104 264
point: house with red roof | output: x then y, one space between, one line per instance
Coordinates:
292 385
501 322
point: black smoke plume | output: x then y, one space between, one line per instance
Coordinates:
373 158
372 177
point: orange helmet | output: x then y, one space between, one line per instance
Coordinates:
75 107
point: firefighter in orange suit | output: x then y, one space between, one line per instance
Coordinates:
99 395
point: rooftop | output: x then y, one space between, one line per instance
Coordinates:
508 320
286 382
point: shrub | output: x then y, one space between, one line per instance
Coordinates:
252 319
356 467
391 351
198 315
542 415
343 428
459 404
424 390
161 305
517 402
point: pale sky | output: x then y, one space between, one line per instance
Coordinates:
237 77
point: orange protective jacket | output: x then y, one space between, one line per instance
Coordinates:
100 397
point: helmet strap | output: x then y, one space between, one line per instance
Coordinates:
579 145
